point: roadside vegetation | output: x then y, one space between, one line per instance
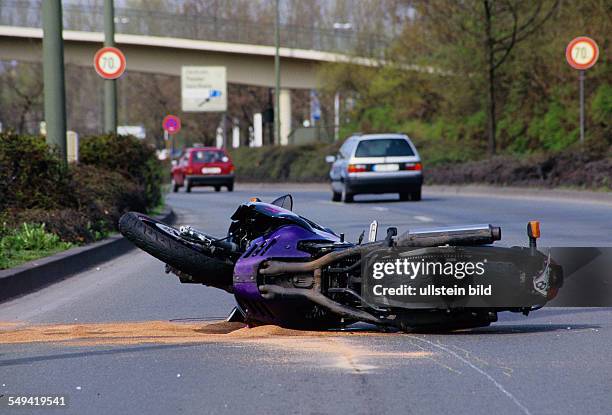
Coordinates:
471 80
46 206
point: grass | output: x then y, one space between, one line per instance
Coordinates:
27 243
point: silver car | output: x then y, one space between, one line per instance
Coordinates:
376 163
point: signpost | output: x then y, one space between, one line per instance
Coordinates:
109 62
171 125
203 89
582 53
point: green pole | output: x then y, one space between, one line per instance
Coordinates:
277 76
53 75
110 85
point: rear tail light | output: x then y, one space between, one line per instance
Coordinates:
357 168
413 166
189 170
231 169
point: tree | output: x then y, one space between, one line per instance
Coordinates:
497 26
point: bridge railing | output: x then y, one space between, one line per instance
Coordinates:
200 27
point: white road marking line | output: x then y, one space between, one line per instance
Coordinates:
380 208
424 218
479 370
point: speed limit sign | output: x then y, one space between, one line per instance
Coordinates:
582 53
109 62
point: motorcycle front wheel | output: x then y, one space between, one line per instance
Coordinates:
166 244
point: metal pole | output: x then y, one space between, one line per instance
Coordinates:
53 76
336 116
110 85
277 76
581 107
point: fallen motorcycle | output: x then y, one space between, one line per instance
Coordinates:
284 269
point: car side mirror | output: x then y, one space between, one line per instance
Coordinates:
330 159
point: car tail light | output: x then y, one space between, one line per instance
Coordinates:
413 166
189 170
231 169
357 168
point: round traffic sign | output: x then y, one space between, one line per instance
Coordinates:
582 53
109 62
171 124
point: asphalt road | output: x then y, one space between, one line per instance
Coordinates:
555 361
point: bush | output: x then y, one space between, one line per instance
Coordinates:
128 156
31 175
304 163
548 170
103 196
81 202
28 242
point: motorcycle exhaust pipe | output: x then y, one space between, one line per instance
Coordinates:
460 235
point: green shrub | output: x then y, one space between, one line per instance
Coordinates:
304 163
27 242
32 237
81 202
128 156
31 175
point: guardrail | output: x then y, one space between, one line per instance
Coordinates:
26 13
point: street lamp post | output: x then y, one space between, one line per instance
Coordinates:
110 85
53 76
277 76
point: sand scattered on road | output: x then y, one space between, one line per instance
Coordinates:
325 348
165 332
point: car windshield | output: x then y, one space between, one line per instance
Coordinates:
207 156
387 147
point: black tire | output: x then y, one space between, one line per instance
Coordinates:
336 197
404 196
230 187
164 243
187 186
217 188
347 197
175 187
416 195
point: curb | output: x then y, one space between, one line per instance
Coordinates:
39 273
517 192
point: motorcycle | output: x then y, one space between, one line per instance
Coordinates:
287 270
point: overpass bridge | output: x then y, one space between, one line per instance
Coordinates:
161 43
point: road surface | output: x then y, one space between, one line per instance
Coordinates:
555 361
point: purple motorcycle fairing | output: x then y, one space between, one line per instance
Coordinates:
280 243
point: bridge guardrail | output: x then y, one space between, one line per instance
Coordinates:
199 27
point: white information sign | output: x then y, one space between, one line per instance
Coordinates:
203 89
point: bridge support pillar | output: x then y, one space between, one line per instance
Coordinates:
285 116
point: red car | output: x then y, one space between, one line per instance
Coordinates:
203 166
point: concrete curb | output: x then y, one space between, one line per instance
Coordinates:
39 273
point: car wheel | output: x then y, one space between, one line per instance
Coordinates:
416 195
336 197
175 187
404 196
217 188
230 187
187 186
346 196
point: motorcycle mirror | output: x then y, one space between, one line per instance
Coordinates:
286 202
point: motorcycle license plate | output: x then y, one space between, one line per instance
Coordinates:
386 167
211 170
